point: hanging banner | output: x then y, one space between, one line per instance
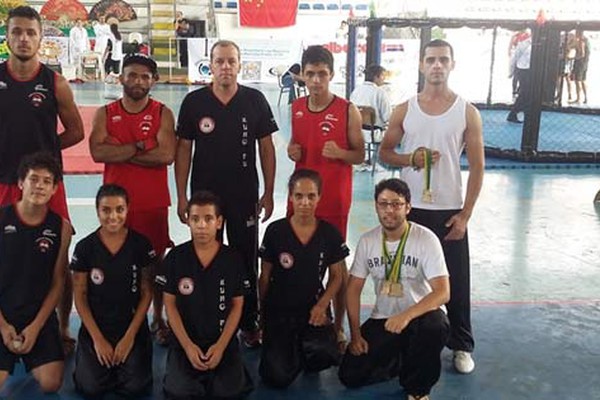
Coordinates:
267 13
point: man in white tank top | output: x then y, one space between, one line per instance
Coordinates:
433 129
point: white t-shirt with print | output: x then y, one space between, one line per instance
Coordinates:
422 261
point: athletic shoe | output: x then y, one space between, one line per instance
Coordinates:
411 397
463 362
512 117
251 339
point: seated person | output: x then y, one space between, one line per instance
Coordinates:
33 254
298 332
371 94
408 327
290 78
112 285
203 297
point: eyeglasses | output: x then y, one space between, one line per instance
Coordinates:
395 205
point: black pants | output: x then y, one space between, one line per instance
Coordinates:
230 380
413 355
456 254
523 102
131 379
291 345
241 220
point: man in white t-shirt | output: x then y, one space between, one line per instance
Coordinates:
78 42
371 94
408 327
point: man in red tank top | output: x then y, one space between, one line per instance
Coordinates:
135 138
327 138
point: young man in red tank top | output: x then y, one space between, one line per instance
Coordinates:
135 138
327 138
32 96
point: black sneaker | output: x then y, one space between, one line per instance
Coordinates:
512 117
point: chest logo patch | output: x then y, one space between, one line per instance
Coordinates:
145 127
97 276
299 114
206 125
36 99
286 260
44 244
186 286
326 127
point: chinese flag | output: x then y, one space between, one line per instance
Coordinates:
268 13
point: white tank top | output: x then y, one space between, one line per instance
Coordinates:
444 133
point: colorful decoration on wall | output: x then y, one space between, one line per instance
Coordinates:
54 10
118 9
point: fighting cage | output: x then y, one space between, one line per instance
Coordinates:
556 127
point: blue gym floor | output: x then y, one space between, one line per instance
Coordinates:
535 275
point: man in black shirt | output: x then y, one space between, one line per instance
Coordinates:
296 253
202 285
223 122
31 98
33 255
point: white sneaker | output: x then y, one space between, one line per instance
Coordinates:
463 362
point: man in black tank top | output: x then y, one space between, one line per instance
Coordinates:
33 254
31 98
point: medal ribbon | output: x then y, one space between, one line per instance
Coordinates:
392 267
427 161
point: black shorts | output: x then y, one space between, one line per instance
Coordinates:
47 348
580 69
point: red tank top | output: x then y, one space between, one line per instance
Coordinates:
311 130
147 187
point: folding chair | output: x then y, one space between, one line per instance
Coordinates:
367 114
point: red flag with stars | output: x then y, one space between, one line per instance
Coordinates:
268 13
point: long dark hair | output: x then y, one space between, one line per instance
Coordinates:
114 28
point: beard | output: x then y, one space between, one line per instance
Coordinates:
134 93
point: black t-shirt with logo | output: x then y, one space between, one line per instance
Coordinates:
203 293
225 139
296 279
27 259
114 280
28 112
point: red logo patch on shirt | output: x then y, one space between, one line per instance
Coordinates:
186 286
286 260
206 125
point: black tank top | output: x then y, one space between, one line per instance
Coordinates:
28 119
27 258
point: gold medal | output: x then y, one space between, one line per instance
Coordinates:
427 196
396 290
386 287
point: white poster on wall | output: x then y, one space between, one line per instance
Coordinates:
258 57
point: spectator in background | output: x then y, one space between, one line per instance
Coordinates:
520 64
78 43
517 38
183 30
102 32
114 50
371 94
580 66
291 78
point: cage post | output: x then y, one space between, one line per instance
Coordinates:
531 126
425 38
351 60
374 35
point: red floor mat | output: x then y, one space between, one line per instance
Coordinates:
77 159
